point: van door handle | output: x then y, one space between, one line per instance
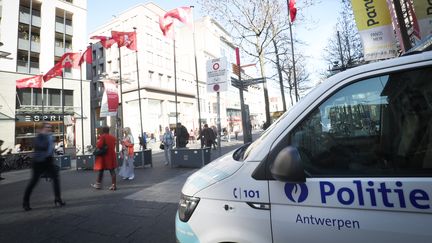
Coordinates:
259 206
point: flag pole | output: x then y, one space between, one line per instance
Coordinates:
42 97
292 53
139 87
63 113
196 77
293 61
121 93
175 90
82 112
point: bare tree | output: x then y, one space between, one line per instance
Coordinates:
344 49
251 24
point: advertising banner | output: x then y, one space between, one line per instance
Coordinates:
110 99
375 28
423 12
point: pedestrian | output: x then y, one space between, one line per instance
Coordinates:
143 141
207 136
192 136
127 168
236 131
2 159
215 136
107 160
43 163
182 136
168 141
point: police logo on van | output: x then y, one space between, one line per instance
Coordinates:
296 192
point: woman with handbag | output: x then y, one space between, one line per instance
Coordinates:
167 143
127 168
105 158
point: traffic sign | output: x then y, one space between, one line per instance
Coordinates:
217 75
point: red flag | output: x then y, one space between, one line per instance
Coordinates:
106 41
292 10
166 27
53 72
127 39
183 14
87 56
31 82
70 60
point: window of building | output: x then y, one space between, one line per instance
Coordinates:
24 97
68 97
375 127
54 97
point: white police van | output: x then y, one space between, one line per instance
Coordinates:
351 162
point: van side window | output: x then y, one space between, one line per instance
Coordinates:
380 126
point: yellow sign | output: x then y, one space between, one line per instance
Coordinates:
371 13
423 8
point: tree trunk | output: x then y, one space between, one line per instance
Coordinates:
266 98
279 69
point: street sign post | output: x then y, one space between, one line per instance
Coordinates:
217 81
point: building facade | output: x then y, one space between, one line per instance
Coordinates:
157 77
36 34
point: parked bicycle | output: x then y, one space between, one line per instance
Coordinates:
17 161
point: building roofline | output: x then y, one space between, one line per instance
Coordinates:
113 20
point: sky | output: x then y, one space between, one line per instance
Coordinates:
321 19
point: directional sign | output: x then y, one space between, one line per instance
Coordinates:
236 83
248 82
217 75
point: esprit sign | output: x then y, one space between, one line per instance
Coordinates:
39 118
217 75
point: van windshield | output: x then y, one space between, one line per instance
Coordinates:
263 136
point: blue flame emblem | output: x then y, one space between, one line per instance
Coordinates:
296 192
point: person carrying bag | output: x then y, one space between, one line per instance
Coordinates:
106 159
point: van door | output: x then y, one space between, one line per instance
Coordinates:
367 153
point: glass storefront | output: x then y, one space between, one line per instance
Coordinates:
30 113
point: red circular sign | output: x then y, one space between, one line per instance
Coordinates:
216 66
216 87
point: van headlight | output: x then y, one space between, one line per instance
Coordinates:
187 206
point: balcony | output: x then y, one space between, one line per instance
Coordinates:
23 44
60 27
24 17
60 50
22 67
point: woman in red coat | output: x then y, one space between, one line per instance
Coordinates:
107 161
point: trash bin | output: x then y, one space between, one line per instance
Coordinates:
148 160
138 159
190 157
85 162
62 161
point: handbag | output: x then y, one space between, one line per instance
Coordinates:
162 146
101 151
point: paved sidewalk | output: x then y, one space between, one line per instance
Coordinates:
142 210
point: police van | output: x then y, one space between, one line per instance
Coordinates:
351 162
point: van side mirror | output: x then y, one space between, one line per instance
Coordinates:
287 166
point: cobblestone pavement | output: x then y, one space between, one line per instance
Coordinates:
141 210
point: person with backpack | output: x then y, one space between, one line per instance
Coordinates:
106 159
